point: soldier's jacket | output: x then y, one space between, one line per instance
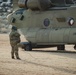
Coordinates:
14 37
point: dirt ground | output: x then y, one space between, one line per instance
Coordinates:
46 61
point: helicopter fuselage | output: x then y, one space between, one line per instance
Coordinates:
55 26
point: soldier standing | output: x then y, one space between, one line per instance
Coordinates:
14 40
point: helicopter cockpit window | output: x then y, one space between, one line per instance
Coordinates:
20 11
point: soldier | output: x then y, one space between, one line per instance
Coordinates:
14 40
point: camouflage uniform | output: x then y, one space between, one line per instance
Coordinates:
14 40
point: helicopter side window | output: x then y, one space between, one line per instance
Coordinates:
20 11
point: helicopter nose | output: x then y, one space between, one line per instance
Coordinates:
11 19
15 19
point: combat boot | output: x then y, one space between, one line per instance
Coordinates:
17 55
18 58
13 57
12 54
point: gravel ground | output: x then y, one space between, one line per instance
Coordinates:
46 61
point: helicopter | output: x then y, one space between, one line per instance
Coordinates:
45 23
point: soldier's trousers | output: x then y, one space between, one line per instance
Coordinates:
14 51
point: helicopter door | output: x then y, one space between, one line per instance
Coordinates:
72 35
56 36
42 36
66 35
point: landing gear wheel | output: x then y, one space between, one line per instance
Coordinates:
75 47
61 47
28 47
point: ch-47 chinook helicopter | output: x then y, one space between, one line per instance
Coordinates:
45 22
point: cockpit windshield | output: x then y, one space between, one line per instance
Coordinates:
20 11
